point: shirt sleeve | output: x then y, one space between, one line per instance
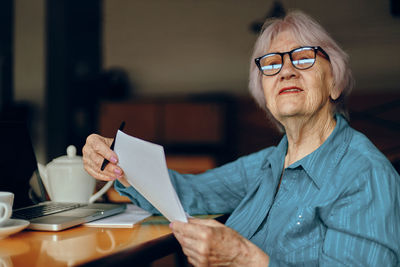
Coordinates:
135 197
363 223
215 191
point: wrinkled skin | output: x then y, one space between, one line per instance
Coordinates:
96 149
209 243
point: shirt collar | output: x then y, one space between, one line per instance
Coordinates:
325 158
321 161
276 160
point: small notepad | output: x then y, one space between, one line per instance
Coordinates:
132 215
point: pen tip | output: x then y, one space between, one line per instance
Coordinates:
122 126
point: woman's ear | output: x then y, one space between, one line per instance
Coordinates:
335 92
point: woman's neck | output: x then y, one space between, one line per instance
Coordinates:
306 134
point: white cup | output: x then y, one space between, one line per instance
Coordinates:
6 202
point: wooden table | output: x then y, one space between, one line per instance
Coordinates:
91 246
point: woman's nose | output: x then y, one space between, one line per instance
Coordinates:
288 70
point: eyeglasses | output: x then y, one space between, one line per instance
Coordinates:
302 58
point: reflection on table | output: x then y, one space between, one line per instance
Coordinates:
77 245
147 241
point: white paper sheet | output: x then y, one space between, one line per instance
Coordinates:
131 216
146 170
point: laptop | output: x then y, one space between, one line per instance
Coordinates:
19 170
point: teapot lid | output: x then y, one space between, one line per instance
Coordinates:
70 158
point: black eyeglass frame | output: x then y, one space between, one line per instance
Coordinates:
315 48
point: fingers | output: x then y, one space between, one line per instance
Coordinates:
189 230
191 248
96 149
208 242
196 228
101 145
194 238
190 233
206 222
105 175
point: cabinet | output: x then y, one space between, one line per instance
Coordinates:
183 126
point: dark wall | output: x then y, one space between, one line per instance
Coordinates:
395 7
73 65
6 53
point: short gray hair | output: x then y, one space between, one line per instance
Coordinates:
307 32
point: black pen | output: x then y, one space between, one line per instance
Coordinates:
105 162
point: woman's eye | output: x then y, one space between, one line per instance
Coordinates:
273 63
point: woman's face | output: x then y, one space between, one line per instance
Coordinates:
297 93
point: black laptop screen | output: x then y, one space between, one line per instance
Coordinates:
17 161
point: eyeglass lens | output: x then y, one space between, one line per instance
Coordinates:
302 58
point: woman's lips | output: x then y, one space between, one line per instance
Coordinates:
289 90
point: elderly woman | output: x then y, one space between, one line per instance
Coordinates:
323 196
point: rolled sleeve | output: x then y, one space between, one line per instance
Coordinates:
218 190
135 197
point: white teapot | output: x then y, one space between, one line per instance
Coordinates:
66 180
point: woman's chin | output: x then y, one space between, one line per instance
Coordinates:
288 112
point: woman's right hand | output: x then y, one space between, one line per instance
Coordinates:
95 150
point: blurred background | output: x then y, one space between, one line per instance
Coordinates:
177 70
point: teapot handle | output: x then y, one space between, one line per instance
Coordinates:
101 192
43 175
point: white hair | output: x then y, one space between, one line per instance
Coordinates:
306 31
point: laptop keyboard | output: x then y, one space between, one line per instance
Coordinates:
45 209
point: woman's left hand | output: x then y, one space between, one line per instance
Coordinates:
209 243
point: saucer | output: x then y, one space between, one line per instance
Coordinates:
12 226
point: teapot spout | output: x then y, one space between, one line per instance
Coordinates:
43 175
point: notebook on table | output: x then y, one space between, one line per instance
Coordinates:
18 167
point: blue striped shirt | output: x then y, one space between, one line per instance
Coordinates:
339 205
